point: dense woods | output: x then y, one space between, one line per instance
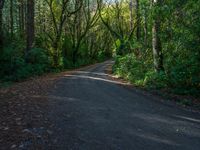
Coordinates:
155 43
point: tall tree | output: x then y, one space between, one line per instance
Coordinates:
59 22
21 17
84 20
145 27
11 18
131 14
138 19
116 25
30 30
156 40
1 22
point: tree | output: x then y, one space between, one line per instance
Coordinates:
116 24
30 27
59 22
21 15
1 22
156 41
145 15
11 18
83 21
131 14
138 19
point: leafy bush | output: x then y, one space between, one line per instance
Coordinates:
183 77
39 61
38 56
156 80
131 68
67 64
13 66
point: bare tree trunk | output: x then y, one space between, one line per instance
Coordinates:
138 19
11 18
156 42
30 26
1 23
77 29
145 29
1 31
131 14
21 18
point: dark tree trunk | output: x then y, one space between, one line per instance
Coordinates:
74 58
21 18
56 51
30 26
75 51
1 23
156 42
11 18
1 31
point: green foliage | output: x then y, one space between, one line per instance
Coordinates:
185 102
68 64
38 56
182 78
101 56
91 40
13 66
65 37
179 32
156 80
131 68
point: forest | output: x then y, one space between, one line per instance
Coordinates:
155 43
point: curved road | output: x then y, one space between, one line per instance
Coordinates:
92 112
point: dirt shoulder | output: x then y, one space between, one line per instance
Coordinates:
22 115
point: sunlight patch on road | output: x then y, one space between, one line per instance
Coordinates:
188 118
55 97
96 78
153 118
157 139
94 73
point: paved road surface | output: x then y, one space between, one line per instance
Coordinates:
92 112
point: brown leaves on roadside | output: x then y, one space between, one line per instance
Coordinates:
21 112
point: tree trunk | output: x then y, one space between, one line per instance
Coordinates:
131 14
138 20
156 42
145 29
1 31
11 18
21 18
1 23
30 26
74 58
56 51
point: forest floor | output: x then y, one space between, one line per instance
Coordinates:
89 108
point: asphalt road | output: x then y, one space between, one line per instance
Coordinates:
92 112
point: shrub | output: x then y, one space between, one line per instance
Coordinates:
13 66
182 77
38 56
131 68
156 80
